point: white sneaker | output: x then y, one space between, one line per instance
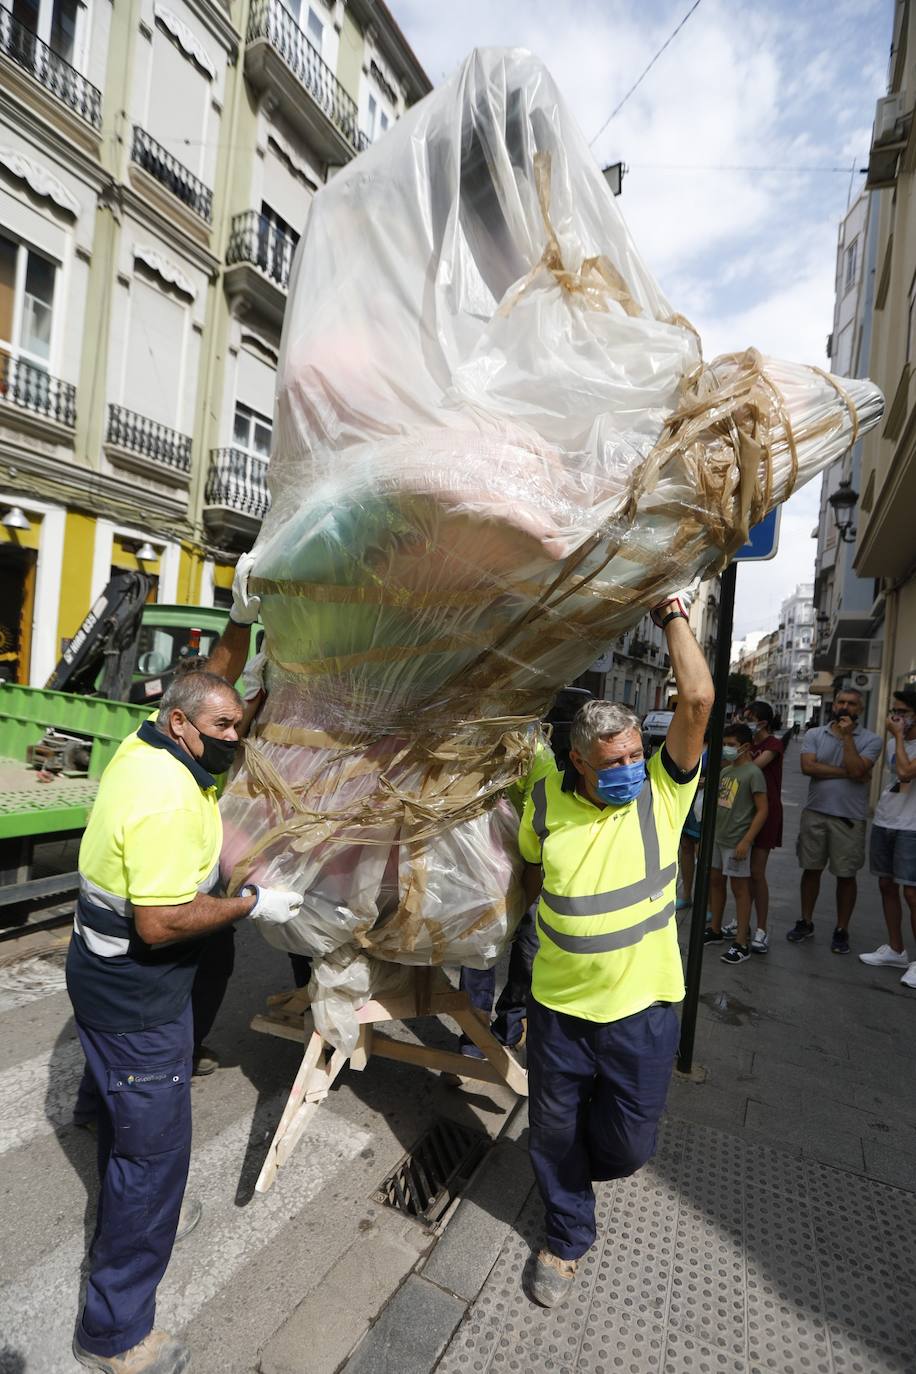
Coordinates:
909 978
760 943
885 955
730 928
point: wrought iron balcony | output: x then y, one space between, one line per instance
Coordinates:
254 239
271 20
172 174
237 481
30 388
23 47
149 439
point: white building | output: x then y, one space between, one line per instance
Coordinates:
794 652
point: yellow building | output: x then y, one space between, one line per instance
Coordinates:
157 161
886 539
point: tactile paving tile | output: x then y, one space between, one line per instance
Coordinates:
703 1266
853 1355
684 1354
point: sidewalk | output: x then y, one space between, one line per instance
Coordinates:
774 1230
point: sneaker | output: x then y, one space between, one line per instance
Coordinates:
736 954
682 903
839 944
157 1353
730 929
885 955
909 978
802 930
760 943
205 1062
712 937
549 1278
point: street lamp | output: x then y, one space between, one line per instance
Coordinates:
16 519
843 503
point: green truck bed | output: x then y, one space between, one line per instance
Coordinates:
29 806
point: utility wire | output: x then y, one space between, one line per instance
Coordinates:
669 39
737 167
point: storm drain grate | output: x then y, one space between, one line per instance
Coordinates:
434 1172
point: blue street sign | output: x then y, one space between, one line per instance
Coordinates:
763 540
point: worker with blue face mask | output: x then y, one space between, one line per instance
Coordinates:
600 839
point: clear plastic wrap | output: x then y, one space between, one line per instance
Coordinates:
496 446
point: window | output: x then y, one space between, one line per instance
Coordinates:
276 244
53 21
252 432
852 257
373 112
26 302
384 121
315 30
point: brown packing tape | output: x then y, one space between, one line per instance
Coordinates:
374 594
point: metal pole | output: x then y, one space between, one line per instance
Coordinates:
708 824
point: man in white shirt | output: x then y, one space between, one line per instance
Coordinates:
892 854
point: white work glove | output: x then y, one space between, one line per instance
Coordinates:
245 608
273 904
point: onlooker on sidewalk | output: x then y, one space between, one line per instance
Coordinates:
766 752
838 758
892 855
741 812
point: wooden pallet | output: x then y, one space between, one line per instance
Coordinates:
288 1015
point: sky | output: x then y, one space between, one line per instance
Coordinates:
748 256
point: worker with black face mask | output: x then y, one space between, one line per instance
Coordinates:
149 874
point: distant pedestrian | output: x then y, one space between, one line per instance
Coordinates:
767 753
838 758
741 813
892 855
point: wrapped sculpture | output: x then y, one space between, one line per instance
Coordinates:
496 446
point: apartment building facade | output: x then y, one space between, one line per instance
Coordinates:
789 661
885 548
157 162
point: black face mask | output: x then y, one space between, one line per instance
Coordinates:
219 754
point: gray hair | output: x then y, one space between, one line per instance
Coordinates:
849 692
190 692
600 720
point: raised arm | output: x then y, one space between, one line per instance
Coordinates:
695 694
858 767
230 652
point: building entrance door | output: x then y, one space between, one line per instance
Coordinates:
17 605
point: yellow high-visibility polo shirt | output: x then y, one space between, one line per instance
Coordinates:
608 939
153 839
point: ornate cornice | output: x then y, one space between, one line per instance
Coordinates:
43 182
166 269
186 40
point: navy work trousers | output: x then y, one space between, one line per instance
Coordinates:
143 1084
480 985
597 1090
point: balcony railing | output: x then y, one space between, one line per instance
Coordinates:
172 174
24 48
237 480
254 239
30 388
271 20
151 440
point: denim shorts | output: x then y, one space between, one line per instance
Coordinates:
892 854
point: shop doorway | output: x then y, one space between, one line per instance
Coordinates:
17 607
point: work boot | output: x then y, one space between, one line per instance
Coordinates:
157 1353
188 1217
549 1278
205 1062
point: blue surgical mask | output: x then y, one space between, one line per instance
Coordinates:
621 784
729 752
